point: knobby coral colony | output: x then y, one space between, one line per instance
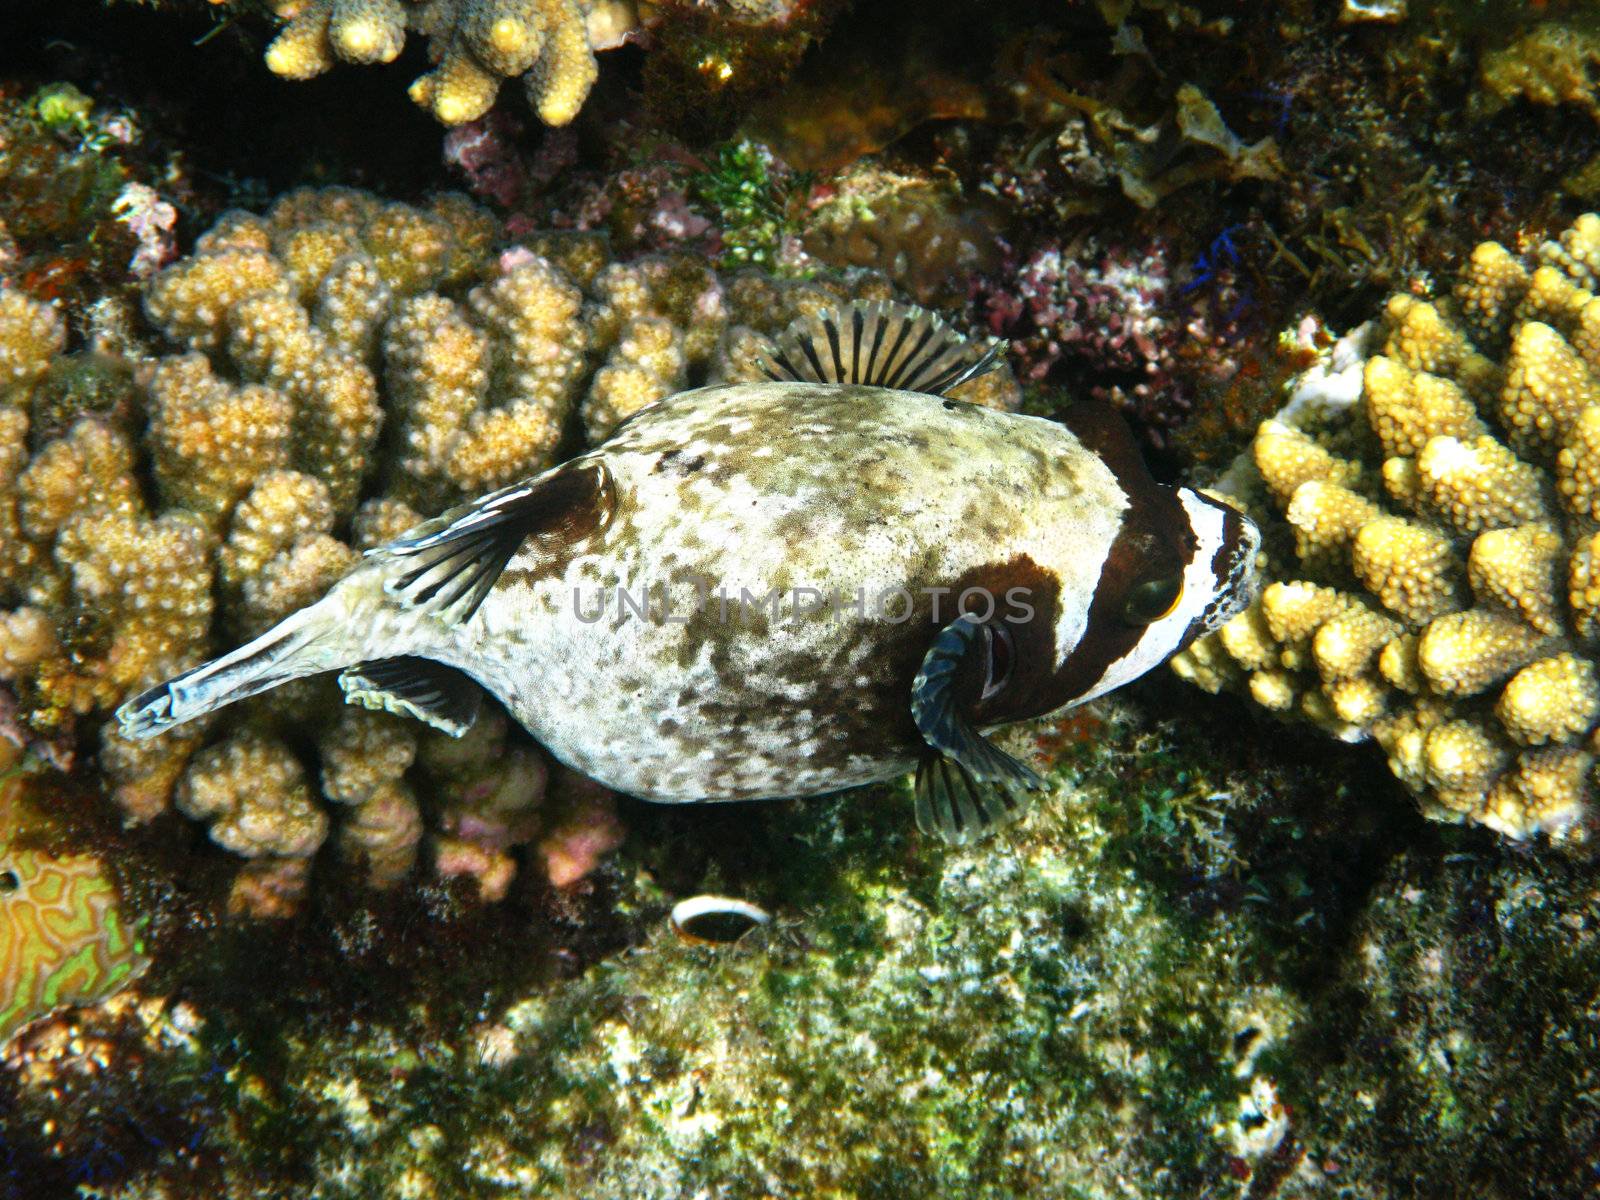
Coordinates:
332 371
475 44
1443 596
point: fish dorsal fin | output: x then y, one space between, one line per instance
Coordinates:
879 344
447 565
415 687
965 786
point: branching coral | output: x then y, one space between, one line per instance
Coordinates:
668 321
475 44
1442 596
306 309
336 370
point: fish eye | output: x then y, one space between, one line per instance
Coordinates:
1151 599
1001 657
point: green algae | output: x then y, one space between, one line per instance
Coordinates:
749 194
1044 1015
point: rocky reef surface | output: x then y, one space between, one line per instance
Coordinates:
259 310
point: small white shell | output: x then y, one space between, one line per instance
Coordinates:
716 920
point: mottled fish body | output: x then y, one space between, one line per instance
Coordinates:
783 588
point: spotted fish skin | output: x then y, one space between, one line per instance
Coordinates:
620 605
745 488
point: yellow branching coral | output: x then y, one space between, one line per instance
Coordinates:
330 296
31 334
1556 699
476 44
1469 651
1287 458
322 377
209 440
646 365
253 790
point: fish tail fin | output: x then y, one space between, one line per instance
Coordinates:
305 643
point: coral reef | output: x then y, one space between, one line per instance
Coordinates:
920 232
1128 995
86 1078
695 1064
1551 63
475 45
81 210
1110 323
1440 595
1106 1002
1217 959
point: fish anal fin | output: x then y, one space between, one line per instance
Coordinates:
879 344
408 686
447 566
966 786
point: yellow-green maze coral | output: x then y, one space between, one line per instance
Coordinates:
63 937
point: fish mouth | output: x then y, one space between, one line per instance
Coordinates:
1242 578
1235 575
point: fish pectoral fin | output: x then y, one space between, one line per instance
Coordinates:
958 807
879 344
966 786
447 566
431 692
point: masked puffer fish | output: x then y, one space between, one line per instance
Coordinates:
785 588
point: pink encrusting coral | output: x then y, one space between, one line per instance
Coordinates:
585 830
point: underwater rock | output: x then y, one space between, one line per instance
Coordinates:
920 233
1111 322
85 203
1439 490
1549 64
1035 1016
1469 978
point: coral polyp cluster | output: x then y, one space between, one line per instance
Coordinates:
1443 591
476 45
